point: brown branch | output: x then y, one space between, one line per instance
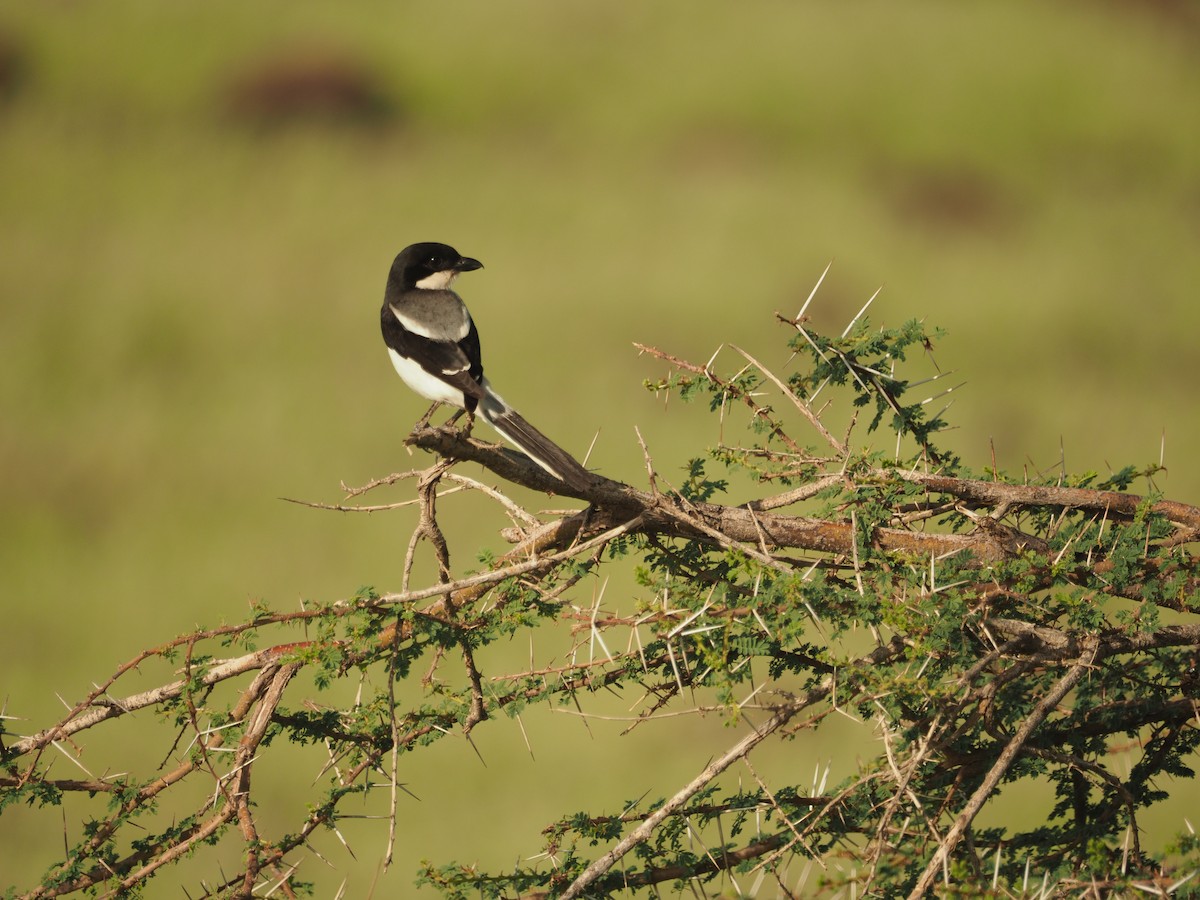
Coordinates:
1007 756
607 860
267 698
738 751
998 493
737 524
103 709
742 524
720 863
96 708
1055 644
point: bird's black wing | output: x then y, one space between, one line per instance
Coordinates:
455 362
470 346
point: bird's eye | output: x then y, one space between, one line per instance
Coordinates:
433 263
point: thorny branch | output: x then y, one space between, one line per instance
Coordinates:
964 676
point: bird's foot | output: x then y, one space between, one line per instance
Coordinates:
465 430
423 422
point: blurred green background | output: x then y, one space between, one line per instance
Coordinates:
199 203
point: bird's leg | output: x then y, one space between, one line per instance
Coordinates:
423 422
465 431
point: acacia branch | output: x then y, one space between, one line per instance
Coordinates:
103 708
746 524
998 493
1006 758
988 639
738 751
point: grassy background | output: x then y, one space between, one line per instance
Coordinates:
189 298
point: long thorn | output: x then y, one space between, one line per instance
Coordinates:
800 314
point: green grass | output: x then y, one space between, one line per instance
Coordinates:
189 304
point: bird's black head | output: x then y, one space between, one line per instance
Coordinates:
429 265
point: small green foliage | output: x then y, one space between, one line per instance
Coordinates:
365 594
36 793
697 487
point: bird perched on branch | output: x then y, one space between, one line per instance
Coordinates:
434 346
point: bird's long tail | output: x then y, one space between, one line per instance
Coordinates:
543 451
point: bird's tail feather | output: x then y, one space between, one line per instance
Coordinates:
543 451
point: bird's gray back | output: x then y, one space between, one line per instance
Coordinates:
433 314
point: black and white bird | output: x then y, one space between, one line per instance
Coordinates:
434 346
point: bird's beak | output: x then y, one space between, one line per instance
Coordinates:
466 264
